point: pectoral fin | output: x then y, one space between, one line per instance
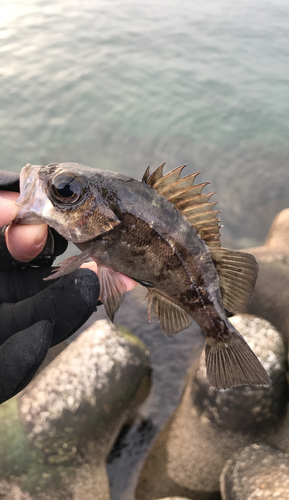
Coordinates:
172 318
237 272
112 289
69 265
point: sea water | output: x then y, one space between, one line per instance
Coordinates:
125 84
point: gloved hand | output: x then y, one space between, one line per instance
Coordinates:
36 314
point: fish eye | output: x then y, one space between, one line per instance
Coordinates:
66 188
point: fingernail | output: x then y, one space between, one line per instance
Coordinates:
40 236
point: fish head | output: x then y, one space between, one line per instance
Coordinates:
66 196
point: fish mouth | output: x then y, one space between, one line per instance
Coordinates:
30 200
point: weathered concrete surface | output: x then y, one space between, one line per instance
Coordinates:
271 295
73 410
209 425
256 472
276 246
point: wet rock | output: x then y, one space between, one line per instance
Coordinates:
256 472
210 425
73 410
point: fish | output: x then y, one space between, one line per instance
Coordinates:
164 233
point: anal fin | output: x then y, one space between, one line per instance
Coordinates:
112 289
172 318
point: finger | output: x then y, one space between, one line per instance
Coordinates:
67 303
8 209
20 357
25 242
130 284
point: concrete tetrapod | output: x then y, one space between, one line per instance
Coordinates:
73 410
256 472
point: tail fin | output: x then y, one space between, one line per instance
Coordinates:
232 362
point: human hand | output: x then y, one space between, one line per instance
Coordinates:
35 314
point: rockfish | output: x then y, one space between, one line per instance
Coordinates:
164 233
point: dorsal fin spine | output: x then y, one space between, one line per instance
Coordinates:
190 177
176 188
156 175
189 200
199 216
175 177
211 229
198 188
184 199
203 220
203 197
205 206
196 209
146 175
200 224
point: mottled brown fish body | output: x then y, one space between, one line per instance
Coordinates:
163 233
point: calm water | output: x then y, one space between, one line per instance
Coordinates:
122 85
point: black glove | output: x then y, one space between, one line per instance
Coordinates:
36 314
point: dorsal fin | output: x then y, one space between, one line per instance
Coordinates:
237 277
188 198
151 179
